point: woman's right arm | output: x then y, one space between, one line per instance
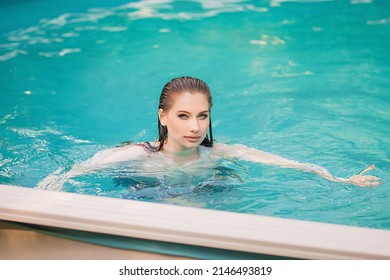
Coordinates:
100 160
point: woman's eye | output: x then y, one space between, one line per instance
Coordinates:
183 116
203 116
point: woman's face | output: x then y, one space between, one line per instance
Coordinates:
187 121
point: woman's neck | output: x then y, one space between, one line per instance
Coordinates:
182 156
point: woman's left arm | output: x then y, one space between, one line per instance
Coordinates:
251 154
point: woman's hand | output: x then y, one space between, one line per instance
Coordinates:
52 182
362 180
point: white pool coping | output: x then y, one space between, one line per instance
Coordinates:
192 226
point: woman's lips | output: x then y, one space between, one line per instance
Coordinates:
192 138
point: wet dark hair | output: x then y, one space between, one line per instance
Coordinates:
178 86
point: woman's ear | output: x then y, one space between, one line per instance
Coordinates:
161 117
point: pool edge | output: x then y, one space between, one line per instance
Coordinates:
192 226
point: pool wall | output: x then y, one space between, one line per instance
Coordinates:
25 244
187 226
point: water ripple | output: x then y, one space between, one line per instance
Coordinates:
60 53
12 54
379 21
56 31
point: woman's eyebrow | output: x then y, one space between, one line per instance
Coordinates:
186 112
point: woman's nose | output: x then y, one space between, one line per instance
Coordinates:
194 125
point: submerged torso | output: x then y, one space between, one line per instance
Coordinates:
156 176
155 164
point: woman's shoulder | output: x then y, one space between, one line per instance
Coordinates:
139 148
150 147
216 151
220 148
120 153
228 150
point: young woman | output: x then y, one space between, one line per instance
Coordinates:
185 140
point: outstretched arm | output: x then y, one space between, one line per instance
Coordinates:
100 160
251 154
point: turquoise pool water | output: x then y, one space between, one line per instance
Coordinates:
304 79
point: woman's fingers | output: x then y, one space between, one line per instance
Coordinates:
365 181
372 178
370 181
375 183
367 169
